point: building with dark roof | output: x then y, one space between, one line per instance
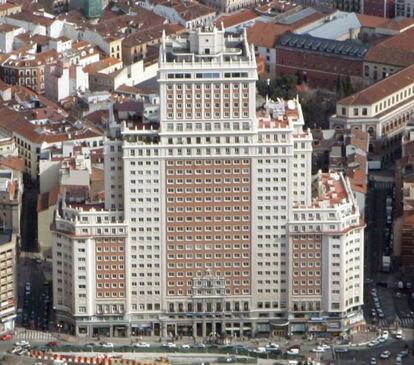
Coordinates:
319 62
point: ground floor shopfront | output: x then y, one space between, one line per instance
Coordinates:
328 327
167 327
171 328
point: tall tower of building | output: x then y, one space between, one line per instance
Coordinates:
202 205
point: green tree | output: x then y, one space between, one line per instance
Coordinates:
280 87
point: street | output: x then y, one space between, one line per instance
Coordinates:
395 304
34 294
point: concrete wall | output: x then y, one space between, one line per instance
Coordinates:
45 218
48 175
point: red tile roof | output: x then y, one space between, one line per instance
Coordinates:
397 50
370 21
240 17
381 89
266 34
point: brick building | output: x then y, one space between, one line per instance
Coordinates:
383 8
319 62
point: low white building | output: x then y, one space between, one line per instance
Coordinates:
7 34
63 80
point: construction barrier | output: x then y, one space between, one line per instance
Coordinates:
96 360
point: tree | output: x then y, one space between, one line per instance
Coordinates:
281 87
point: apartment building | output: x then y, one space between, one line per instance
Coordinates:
327 237
200 204
404 8
382 110
8 299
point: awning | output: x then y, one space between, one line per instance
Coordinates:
142 326
297 327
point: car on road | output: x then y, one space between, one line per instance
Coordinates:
373 361
272 346
385 354
293 351
142 345
403 353
318 349
398 360
16 349
170 345
398 294
6 337
53 344
385 334
23 343
373 343
107 345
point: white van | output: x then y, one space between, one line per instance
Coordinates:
59 362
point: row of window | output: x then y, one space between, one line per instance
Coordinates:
235 291
206 115
217 264
311 273
235 255
235 180
208 127
208 162
219 246
216 171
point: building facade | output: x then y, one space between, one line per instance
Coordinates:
382 110
404 8
382 8
8 299
204 200
320 62
326 242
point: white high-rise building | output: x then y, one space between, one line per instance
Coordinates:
206 198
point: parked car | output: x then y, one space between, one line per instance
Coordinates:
373 361
6 337
142 345
293 351
107 345
385 354
318 349
23 343
53 344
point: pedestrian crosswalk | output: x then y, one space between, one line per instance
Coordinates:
24 334
384 323
407 322
404 322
